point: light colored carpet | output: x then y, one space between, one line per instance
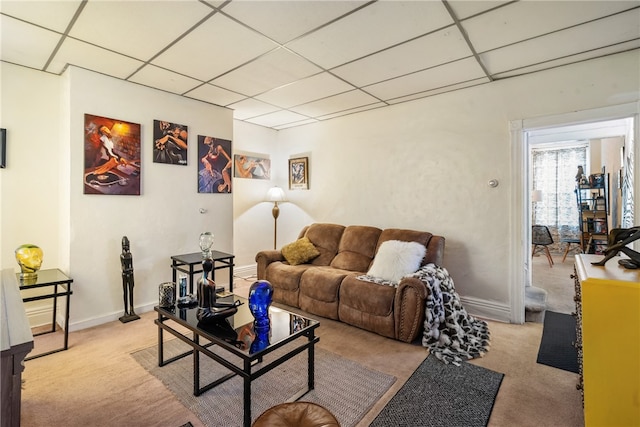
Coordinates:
346 388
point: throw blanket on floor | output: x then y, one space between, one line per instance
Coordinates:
450 333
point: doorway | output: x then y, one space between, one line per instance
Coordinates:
587 125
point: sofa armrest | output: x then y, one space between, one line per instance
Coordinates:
409 306
264 258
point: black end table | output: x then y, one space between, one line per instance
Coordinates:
192 264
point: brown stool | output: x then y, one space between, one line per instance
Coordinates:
298 414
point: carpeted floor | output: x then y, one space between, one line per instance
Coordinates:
439 395
556 346
344 387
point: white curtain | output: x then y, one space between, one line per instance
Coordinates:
554 174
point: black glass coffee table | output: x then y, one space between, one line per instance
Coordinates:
241 342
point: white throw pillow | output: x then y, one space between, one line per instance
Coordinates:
395 259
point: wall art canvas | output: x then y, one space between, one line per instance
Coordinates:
111 156
169 143
299 173
251 167
214 165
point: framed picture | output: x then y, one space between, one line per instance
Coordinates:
214 165
299 173
251 167
3 148
111 156
169 143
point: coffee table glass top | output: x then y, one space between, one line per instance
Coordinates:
236 332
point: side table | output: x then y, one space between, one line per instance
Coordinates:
191 264
61 285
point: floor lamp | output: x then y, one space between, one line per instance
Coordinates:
275 195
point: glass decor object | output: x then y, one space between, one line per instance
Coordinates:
29 258
260 298
206 242
206 287
167 294
261 341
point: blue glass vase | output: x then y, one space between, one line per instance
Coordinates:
261 340
260 298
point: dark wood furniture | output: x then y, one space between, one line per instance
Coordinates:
61 287
290 332
191 264
17 342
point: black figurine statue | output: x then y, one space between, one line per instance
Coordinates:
126 259
617 241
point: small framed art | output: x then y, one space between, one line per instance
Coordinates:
299 173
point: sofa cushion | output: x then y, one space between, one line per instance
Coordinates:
285 276
299 252
367 297
357 248
326 238
396 259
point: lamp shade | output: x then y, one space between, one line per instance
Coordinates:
536 196
276 194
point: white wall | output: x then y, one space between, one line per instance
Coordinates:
163 221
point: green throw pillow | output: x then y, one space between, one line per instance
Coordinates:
300 251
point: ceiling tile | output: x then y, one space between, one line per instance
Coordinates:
278 118
634 44
214 95
352 111
465 9
445 89
294 124
87 56
604 32
272 70
525 19
26 44
371 29
54 15
433 78
206 52
163 79
251 108
437 48
283 21
333 104
305 90
140 29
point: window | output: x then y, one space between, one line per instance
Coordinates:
554 174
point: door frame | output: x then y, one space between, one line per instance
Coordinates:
520 262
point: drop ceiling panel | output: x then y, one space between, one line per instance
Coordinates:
92 58
333 104
353 111
433 78
437 48
465 9
616 29
136 28
214 95
371 29
445 89
525 19
278 118
163 79
272 70
26 44
635 44
283 21
54 15
306 90
216 46
248 108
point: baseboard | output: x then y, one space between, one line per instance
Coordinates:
96 321
490 310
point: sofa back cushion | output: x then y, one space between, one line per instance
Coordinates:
326 239
357 248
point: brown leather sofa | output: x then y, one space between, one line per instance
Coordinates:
328 286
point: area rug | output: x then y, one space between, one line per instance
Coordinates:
439 394
344 387
556 347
